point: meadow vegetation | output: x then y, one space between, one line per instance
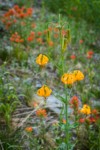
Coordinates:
50 49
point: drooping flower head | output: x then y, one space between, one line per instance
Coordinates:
68 78
86 109
78 75
44 91
41 113
42 60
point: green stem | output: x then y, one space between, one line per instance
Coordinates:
67 122
61 114
62 63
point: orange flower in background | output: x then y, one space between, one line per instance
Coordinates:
90 54
81 41
16 7
8 24
31 36
14 20
73 56
29 129
56 29
44 91
39 33
42 60
16 13
39 40
78 75
64 121
41 113
50 28
92 119
64 32
33 25
56 35
68 78
35 104
22 15
81 120
29 11
51 43
21 40
30 39
16 38
86 109
94 111
32 33
45 31
74 102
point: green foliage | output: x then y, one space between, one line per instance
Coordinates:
8 96
78 9
28 92
9 140
89 142
5 49
52 128
27 3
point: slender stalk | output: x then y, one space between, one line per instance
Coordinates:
62 63
67 122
